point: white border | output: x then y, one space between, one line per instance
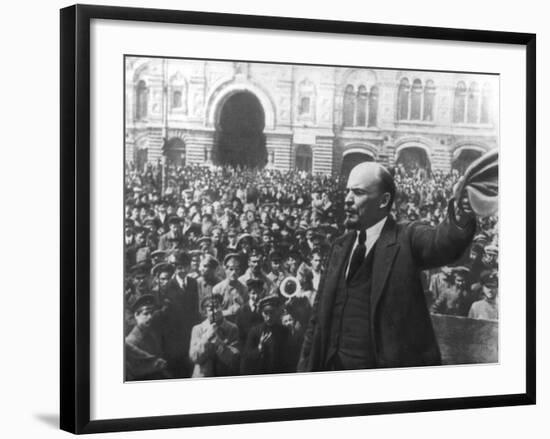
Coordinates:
111 398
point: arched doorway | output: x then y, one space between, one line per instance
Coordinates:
239 138
351 160
304 158
413 159
464 158
174 151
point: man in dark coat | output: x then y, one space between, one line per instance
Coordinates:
249 315
143 353
267 345
181 314
370 310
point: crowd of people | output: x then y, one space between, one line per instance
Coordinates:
222 264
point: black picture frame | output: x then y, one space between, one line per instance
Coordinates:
75 217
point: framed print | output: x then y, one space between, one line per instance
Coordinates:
342 213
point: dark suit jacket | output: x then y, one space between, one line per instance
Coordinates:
276 356
400 322
180 316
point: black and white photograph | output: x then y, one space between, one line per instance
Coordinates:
293 218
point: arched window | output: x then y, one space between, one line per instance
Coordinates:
361 119
303 158
416 99
141 100
429 98
485 102
349 106
373 106
459 111
473 103
177 99
306 101
403 100
177 93
304 107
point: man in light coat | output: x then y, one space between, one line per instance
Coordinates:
214 347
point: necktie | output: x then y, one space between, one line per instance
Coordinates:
358 255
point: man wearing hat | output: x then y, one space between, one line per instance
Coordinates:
152 240
245 243
255 271
267 241
233 292
439 282
276 273
139 275
207 279
490 257
195 256
487 307
290 320
312 241
232 243
293 261
162 273
158 256
143 252
172 239
214 348
138 246
267 345
162 216
217 246
143 344
370 310
249 315
181 315
456 299
187 197
204 244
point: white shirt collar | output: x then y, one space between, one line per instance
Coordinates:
181 282
373 233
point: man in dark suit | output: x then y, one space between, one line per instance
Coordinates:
181 314
370 311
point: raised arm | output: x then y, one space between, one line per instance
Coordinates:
445 243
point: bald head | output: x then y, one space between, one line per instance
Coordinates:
370 193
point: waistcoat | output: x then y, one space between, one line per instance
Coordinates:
350 343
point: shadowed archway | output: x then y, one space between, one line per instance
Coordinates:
413 158
240 140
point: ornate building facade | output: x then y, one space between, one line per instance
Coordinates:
314 118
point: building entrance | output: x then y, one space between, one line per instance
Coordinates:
240 140
413 160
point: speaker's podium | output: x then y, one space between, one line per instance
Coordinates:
465 341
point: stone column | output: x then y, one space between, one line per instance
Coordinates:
323 155
279 146
199 147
